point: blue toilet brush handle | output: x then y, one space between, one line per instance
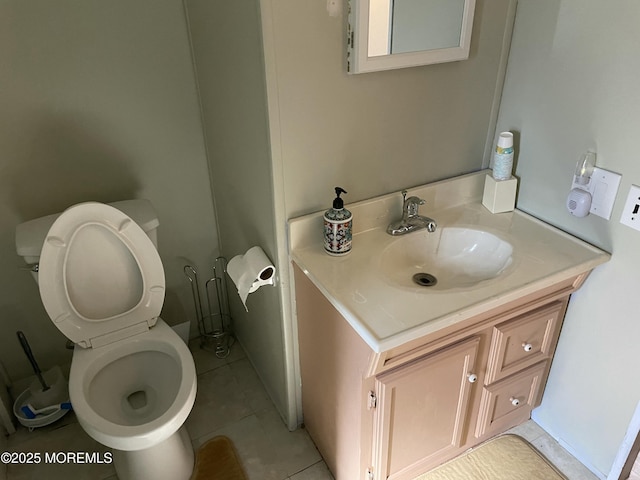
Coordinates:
32 359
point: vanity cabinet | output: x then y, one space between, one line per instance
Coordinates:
396 414
424 403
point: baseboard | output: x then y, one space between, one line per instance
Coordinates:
568 448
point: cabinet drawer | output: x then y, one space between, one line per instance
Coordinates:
510 401
523 341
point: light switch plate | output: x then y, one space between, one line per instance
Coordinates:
603 188
631 211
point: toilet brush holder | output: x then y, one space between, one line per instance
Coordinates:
35 419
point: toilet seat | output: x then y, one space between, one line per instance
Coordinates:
101 279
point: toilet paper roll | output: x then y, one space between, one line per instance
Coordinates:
251 271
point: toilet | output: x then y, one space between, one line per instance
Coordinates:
132 381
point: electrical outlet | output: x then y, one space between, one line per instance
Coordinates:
603 188
631 212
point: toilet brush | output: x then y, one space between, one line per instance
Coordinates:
32 359
48 389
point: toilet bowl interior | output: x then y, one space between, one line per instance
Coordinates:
136 388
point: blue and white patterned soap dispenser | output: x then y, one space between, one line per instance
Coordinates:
337 227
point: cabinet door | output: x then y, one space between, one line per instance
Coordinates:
422 410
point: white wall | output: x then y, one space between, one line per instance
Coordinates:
98 103
571 85
227 46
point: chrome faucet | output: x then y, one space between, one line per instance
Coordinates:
410 220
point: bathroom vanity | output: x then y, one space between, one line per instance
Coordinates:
397 377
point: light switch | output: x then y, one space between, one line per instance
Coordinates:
631 211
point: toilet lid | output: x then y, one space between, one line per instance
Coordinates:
100 276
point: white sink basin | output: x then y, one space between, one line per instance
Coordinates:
452 257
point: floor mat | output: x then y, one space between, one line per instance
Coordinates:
507 457
217 460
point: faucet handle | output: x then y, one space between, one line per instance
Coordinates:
412 204
411 200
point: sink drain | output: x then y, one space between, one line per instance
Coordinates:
425 279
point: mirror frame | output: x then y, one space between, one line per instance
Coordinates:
358 60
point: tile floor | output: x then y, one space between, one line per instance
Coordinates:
230 401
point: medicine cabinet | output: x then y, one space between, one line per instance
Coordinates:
390 34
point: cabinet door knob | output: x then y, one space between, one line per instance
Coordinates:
514 401
472 377
527 347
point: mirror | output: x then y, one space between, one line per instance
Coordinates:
389 34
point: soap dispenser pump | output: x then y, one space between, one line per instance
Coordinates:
337 227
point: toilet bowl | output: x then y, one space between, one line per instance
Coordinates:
129 395
134 396
132 381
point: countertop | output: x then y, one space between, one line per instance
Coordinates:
387 315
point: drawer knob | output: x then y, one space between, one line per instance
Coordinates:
472 377
527 347
514 401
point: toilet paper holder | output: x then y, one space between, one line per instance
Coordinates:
250 271
214 326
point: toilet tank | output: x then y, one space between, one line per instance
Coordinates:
31 235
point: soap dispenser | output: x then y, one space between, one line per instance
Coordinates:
337 227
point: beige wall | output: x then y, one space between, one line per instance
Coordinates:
98 103
378 132
572 85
